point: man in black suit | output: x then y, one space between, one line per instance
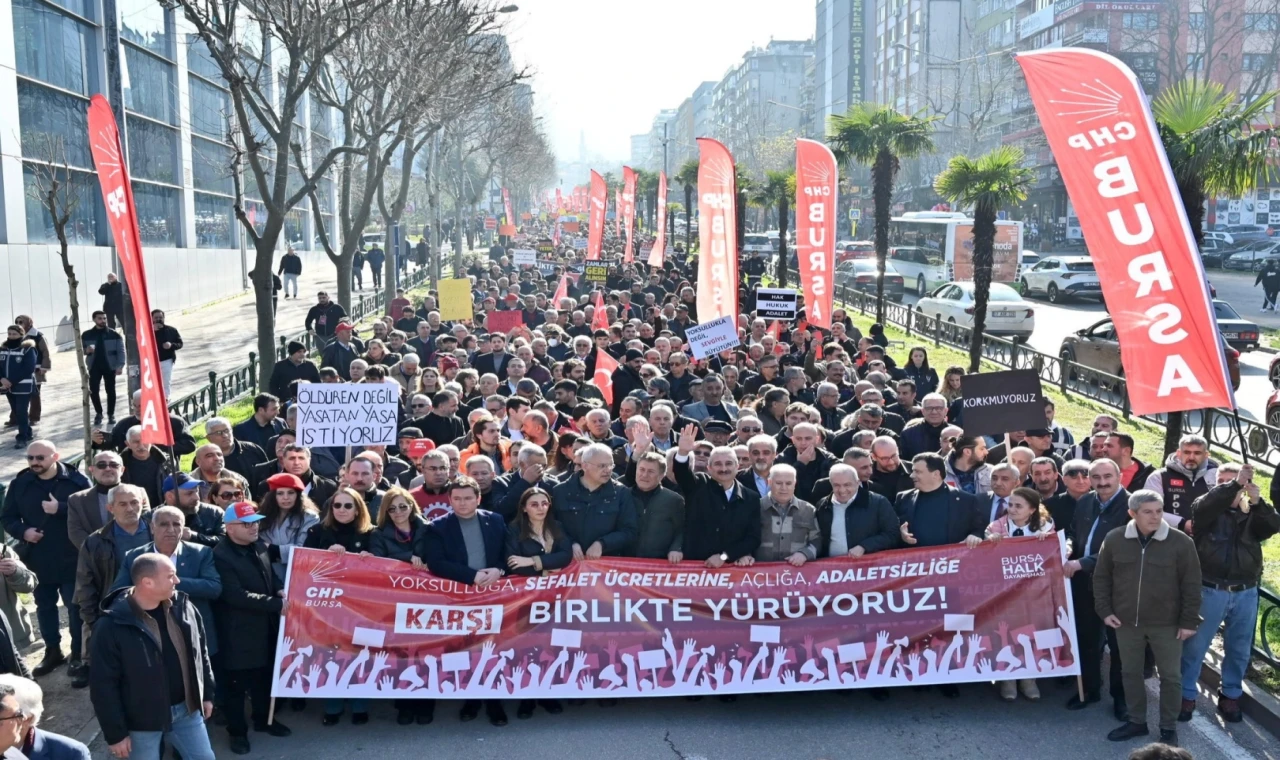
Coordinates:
722 517
935 514
495 360
992 506
467 546
1097 513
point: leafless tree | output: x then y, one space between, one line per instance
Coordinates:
58 191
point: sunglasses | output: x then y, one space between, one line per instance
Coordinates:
107 465
343 505
399 508
231 495
36 457
752 430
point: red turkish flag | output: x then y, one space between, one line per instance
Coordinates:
561 292
603 378
629 212
600 320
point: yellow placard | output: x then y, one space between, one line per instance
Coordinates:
455 299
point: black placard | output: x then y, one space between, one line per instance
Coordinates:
995 403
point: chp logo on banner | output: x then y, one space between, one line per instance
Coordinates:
657 253
629 212
816 181
373 627
117 197
717 232
595 225
1107 147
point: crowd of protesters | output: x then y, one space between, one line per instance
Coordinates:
798 445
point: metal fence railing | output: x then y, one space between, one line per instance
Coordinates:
1069 377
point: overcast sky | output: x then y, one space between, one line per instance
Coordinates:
606 67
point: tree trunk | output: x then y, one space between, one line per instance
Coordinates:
73 288
740 222
264 253
782 241
984 237
882 197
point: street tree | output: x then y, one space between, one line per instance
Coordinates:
879 137
1214 148
687 178
988 184
776 192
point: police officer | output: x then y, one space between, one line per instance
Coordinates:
1187 475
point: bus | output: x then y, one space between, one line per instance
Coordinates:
932 248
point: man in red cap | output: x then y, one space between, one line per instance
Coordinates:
341 352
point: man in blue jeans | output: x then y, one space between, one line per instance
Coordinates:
1229 525
151 680
35 511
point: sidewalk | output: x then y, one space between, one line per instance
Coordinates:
215 337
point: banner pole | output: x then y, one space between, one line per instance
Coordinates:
271 712
1244 445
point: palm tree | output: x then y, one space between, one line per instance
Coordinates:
1214 150
881 137
688 177
647 188
777 191
986 183
745 186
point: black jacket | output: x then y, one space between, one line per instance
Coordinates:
248 612
340 356
920 437
625 379
127 682
560 556
713 525
964 518
808 473
320 537
385 543
1087 510
1229 541
329 314
183 442
285 372
147 474
510 487
243 458
205 524
607 515
249 431
168 334
112 297
869 522
447 549
53 558
890 484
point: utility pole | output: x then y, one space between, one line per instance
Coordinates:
457 218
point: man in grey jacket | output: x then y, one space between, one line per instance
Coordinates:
104 352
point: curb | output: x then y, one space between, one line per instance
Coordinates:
1267 350
1256 703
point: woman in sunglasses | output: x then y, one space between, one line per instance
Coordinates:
536 546
401 534
226 492
345 527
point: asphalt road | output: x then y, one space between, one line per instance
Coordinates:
1055 322
768 727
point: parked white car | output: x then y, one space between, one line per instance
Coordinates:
1062 277
1008 315
756 242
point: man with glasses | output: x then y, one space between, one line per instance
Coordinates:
924 436
598 514
145 465
21 707
1075 482
240 457
102 554
433 494
35 512
87 509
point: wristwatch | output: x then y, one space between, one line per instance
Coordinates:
724 556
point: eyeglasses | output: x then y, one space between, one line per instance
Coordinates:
15 716
419 406
399 508
935 408
223 431
343 505
107 465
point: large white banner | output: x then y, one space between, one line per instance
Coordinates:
347 414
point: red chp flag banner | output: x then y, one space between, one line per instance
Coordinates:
506 206
658 253
117 196
559 201
817 178
372 627
717 232
617 212
595 216
1108 149
629 212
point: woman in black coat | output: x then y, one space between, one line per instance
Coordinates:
346 527
536 546
401 535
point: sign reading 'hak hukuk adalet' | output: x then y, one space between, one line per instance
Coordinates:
995 403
